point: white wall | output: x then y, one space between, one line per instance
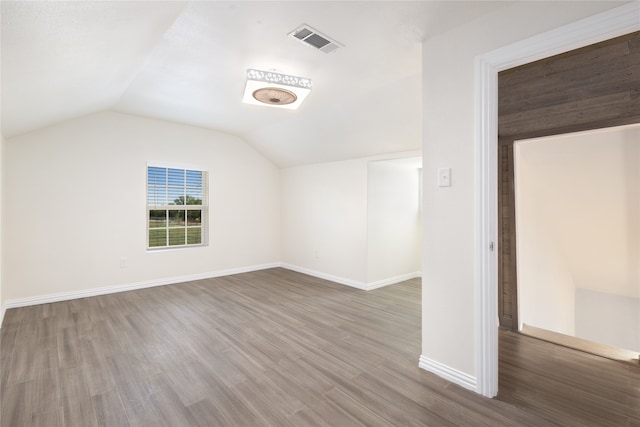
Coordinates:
89 178
546 289
608 319
2 309
449 216
394 226
587 185
75 203
578 216
324 219
325 215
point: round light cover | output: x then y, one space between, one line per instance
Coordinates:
275 90
275 96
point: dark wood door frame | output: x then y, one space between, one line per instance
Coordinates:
594 87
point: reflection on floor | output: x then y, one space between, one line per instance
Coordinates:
587 346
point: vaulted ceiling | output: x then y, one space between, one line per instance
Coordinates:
186 62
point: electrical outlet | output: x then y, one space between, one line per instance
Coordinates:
124 262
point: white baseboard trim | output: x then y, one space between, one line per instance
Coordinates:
457 377
63 296
349 282
393 280
325 276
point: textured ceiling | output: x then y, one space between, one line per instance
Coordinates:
186 62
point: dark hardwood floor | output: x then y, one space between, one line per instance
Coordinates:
570 387
269 348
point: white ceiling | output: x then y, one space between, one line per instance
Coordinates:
186 62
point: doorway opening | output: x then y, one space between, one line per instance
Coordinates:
581 90
492 162
394 220
577 210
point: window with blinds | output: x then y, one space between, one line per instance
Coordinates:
176 207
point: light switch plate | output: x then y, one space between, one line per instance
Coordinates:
444 177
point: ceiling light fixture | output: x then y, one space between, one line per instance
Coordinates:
268 88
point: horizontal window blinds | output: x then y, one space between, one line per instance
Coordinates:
176 207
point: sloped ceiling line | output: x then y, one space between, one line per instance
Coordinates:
185 62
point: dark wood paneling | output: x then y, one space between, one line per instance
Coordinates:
599 83
616 106
594 87
580 59
597 70
548 93
506 267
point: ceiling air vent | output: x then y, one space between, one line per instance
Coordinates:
308 35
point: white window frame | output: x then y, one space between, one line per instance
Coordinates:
203 207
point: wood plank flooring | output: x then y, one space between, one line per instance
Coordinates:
268 348
567 386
